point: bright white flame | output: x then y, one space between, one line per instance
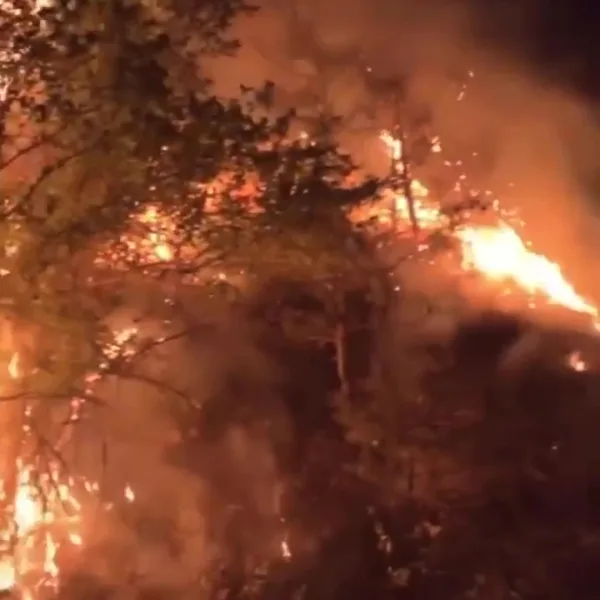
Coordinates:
576 362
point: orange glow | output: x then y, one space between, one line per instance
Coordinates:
500 254
496 252
157 240
149 240
47 510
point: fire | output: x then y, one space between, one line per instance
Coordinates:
577 362
45 514
428 215
500 254
496 252
149 240
157 240
45 509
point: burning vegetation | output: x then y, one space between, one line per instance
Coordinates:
246 281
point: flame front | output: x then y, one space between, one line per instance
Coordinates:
500 254
45 510
497 252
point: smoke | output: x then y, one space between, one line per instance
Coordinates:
535 138
201 460
537 141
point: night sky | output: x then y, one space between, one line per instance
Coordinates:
559 37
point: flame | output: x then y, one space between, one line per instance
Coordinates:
428 215
500 254
44 514
46 509
149 240
286 553
576 362
129 493
497 252
157 240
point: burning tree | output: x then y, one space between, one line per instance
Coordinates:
125 179
104 114
125 182
429 443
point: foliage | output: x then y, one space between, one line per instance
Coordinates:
500 463
107 112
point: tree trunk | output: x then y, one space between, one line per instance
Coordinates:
406 183
340 340
401 168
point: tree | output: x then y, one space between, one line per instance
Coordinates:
499 464
95 97
310 239
108 127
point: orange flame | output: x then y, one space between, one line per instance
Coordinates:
148 241
497 252
46 512
500 254
42 508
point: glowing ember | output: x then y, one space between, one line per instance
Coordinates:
576 362
157 240
148 241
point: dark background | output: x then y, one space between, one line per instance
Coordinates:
560 38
